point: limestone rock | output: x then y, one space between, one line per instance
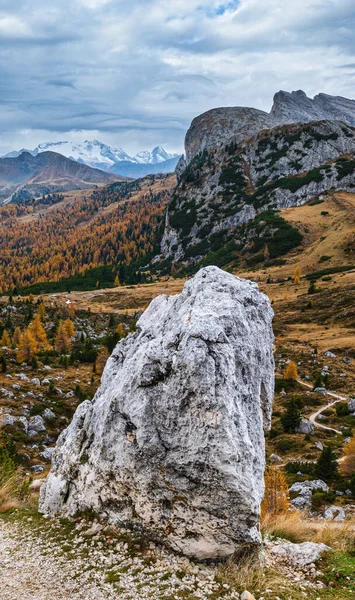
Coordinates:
334 513
351 405
172 443
305 427
48 414
299 554
36 424
301 492
289 107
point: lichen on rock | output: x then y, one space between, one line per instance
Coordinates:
172 443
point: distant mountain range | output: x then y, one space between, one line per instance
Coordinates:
26 176
108 158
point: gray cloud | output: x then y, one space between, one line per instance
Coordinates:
135 74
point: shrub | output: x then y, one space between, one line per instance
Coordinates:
292 417
342 409
285 444
319 498
327 466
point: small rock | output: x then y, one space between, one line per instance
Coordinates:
334 513
299 554
36 424
305 427
320 390
247 596
48 414
35 381
330 354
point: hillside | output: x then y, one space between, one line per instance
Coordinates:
67 236
27 176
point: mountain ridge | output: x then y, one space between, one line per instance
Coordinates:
242 163
47 172
106 157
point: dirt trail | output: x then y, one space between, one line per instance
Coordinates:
316 414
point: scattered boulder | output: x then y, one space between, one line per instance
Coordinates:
299 554
320 390
319 445
305 427
6 393
330 354
24 423
275 458
48 414
47 454
6 420
35 381
23 377
301 492
36 424
172 443
334 513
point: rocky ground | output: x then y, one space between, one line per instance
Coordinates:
83 559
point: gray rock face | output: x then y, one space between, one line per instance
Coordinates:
289 107
172 442
213 127
231 183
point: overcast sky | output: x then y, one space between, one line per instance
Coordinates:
134 73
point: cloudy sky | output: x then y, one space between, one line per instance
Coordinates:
134 73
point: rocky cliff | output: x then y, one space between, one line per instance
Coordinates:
172 443
242 163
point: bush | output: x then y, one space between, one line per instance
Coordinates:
292 417
319 498
306 468
342 409
327 466
285 444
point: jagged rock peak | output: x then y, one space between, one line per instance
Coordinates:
290 107
172 443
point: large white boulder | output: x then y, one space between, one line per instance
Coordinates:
172 443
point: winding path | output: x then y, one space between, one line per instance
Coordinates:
316 414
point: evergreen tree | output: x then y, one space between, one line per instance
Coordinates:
3 364
327 466
292 417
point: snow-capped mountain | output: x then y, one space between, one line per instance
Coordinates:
103 156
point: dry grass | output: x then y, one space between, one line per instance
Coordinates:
9 497
248 573
294 527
